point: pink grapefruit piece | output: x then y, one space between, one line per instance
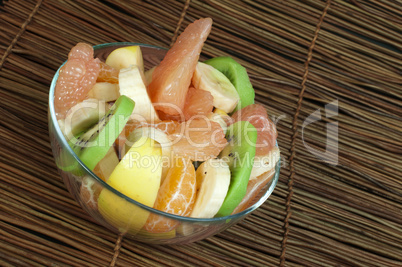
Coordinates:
172 77
198 139
198 103
257 115
76 78
254 187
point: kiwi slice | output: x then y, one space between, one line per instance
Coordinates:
239 154
238 76
93 145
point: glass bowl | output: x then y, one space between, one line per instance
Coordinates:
74 173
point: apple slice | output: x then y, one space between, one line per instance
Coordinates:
124 57
105 91
137 176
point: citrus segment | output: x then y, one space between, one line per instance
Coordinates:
253 189
167 127
89 192
198 139
176 195
172 77
107 74
198 103
76 78
179 116
81 51
257 115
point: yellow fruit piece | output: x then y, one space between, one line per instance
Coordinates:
220 112
124 57
137 176
105 91
168 235
148 76
220 117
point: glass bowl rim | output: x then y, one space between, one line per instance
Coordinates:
64 142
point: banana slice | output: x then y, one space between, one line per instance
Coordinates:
158 136
83 115
213 179
212 80
264 163
221 112
220 117
105 91
132 85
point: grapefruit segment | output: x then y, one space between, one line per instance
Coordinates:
76 78
176 195
198 103
81 51
257 115
172 77
89 192
198 139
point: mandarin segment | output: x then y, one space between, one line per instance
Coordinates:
172 77
176 195
107 73
89 192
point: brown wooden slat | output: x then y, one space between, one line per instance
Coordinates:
347 214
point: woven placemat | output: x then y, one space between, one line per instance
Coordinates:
329 74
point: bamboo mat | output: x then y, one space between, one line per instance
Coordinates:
329 74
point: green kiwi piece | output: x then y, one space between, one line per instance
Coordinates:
238 76
93 145
239 154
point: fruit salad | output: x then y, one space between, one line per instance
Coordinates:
184 137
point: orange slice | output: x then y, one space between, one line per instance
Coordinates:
176 195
